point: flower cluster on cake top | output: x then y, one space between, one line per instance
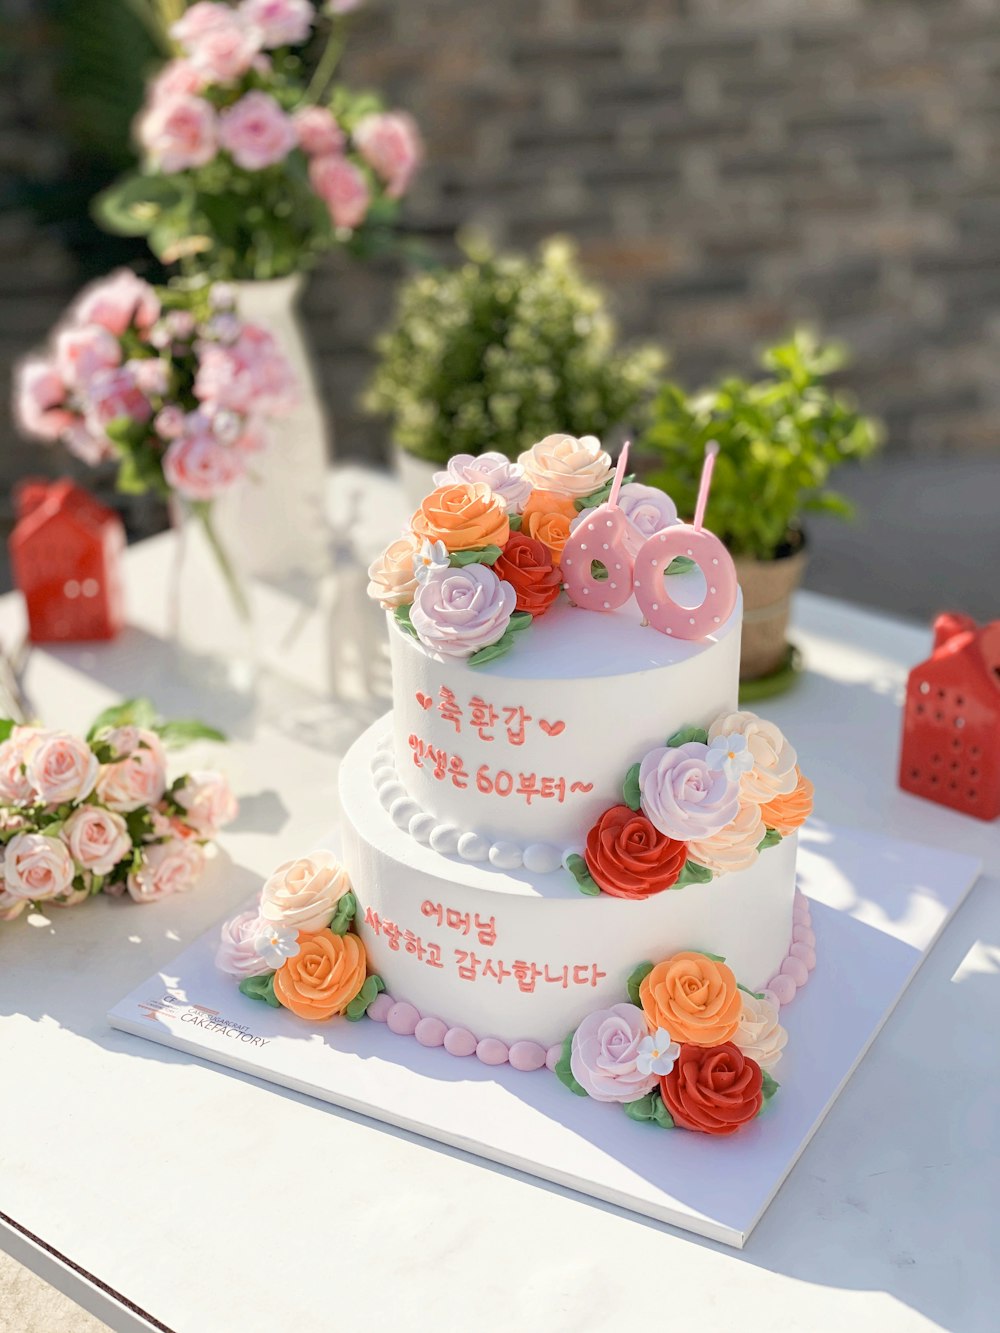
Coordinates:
706 802
480 558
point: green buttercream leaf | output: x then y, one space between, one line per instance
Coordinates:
770 1086
586 883
131 713
681 564
630 788
650 1110
770 839
515 521
480 555
402 615
599 496
757 994
520 620
693 873
688 734
715 957
636 978
563 1071
358 1007
344 915
7 725
492 651
661 1115
261 988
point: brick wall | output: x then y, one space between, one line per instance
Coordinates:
728 167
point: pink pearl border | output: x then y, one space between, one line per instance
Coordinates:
406 1021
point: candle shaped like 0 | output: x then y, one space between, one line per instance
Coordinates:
704 548
601 538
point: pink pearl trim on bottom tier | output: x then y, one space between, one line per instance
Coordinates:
525 1056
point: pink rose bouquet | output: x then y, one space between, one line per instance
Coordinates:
250 159
82 815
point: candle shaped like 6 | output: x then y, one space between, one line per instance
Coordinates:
607 538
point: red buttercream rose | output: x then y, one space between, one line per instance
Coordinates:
527 565
713 1089
629 858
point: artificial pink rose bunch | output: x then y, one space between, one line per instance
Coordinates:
79 816
171 383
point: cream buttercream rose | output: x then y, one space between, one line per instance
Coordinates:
392 576
733 847
605 1055
567 465
774 759
759 1034
492 469
303 894
682 796
456 612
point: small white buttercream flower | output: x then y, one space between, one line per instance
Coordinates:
432 556
730 755
656 1054
275 944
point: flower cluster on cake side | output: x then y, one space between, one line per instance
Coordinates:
480 559
690 1049
705 803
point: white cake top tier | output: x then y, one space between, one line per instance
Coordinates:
533 747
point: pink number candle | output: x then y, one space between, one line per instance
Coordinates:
602 537
704 548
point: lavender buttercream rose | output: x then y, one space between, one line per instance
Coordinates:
503 477
237 953
647 508
458 611
604 1057
682 796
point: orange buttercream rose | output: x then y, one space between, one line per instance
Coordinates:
694 998
323 977
787 812
547 517
464 516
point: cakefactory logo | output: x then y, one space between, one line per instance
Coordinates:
210 1020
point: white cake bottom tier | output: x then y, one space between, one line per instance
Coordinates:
523 956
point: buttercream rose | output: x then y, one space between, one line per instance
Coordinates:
36 867
207 801
760 1035
790 810
682 796
605 1051
733 847
323 977
527 565
166 868
458 611
548 518
713 1091
773 773
567 465
97 839
303 894
15 789
392 578
139 779
629 858
694 997
492 469
237 952
464 516
647 508
60 767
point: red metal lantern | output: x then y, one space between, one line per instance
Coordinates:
951 720
65 552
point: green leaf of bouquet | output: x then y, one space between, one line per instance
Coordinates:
358 1007
687 734
481 555
132 713
7 725
770 1086
176 734
693 873
133 205
492 651
585 881
515 521
599 496
636 977
402 617
770 839
630 788
563 1071
261 988
347 906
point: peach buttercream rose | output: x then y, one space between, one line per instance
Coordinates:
789 811
733 847
323 977
566 465
759 1034
773 773
392 575
548 518
693 997
303 894
465 516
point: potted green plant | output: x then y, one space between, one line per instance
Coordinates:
498 353
779 438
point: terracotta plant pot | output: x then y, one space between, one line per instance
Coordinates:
767 586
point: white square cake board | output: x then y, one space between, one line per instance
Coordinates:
878 906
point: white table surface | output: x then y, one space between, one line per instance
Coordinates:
134 1175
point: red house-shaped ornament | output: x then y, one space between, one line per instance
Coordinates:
65 553
951 720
